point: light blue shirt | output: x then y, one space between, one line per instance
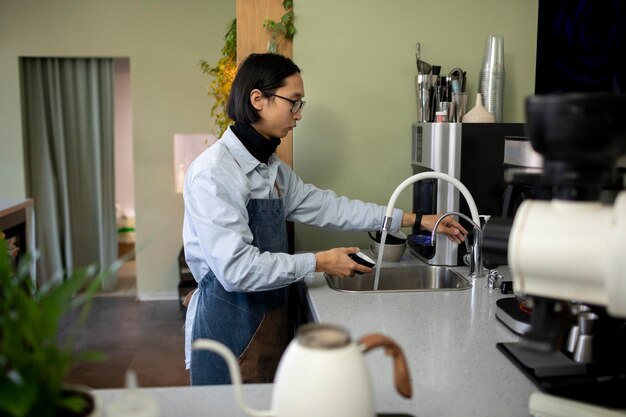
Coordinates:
218 186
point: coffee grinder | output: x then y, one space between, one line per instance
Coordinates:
568 257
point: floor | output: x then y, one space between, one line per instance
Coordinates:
145 336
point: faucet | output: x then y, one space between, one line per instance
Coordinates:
476 261
431 175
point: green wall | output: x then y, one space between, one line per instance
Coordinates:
164 40
358 63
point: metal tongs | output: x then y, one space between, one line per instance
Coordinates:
423 67
457 79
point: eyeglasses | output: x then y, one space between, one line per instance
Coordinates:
295 104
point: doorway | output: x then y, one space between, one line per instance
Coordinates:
77 113
124 180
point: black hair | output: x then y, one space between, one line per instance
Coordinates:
266 72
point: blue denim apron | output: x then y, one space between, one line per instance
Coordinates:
254 325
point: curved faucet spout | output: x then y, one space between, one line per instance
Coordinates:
476 257
427 176
453 213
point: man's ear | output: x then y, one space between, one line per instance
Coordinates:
256 99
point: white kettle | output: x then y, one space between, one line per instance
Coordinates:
322 373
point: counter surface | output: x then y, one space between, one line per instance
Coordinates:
449 339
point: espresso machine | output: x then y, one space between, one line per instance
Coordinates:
473 154
567 256
523 174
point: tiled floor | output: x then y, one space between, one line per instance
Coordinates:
145 336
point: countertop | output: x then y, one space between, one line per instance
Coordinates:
449 339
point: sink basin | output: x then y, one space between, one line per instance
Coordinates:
402 279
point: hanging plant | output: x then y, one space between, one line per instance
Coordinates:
225 69
284 29
223 73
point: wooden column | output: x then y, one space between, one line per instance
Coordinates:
252 37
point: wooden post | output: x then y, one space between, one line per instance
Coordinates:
252 37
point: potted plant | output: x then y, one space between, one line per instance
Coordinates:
284 29
34 360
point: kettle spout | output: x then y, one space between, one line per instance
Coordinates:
235 374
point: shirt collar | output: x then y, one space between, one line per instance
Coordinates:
245 159
258 145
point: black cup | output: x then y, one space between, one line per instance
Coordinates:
360 258
392 238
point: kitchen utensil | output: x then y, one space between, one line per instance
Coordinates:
422 66
574 334
457 80
584 349
322 373
392 253
572 338
460 102
394 247
451 112
425 90
586 321
584 346
393 238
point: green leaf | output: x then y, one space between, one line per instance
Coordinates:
287 18
291 31
74 403
15 399
90 356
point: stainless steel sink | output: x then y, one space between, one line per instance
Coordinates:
402 279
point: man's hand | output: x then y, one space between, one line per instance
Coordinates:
337 262
448 226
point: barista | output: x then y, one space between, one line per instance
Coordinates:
237 196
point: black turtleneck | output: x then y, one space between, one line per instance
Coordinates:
258 145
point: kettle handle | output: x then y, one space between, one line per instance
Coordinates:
400 368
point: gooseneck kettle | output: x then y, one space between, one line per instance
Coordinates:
321 373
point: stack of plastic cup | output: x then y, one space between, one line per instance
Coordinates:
491 82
